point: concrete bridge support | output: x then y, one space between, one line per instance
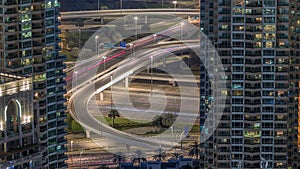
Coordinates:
101 96
126 82
88 133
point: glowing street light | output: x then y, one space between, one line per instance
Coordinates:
96 41
175 3
181 25
151 68
154 36
135 22
104 57
1 125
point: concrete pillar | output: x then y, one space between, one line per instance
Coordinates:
126 82
101 96
5 147
88 133
21 136
101 20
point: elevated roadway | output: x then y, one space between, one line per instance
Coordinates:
80 99
123 12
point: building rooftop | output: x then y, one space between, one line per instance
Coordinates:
12 84
6 78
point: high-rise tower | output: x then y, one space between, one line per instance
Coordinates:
258 43
29 47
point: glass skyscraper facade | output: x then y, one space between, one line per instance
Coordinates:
29 47
258 44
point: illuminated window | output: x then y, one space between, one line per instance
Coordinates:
256 125
225 27
279 133
248 11
269 36
258 19
224 93
25 18
26 35
281 44
238 11
269 45
238 3
26 26
237 93
258 36
258 44
268 61
269 28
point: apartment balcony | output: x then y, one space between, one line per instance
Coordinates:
12 57
13 48
61 125
61 133
61 66
9 3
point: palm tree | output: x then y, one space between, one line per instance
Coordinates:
160 156
194 150
176 155
138 158
118 158
113 113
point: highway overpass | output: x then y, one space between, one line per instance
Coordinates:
123 12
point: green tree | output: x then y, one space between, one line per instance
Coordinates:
138 158
168 119
176 155
75 52
113 113
118 158
160 155
69 122
165 120
194 150
76 127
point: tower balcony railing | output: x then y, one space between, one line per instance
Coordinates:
10 2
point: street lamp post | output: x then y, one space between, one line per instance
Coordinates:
181 137
154 37
135 22
98 5
71 150
96 41
104 57
75 74
181 25
151 67
175 3
80 157
111 93
79 37
162 3
131 48
121 4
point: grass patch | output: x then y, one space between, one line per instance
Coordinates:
68 54
122 123
76 127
